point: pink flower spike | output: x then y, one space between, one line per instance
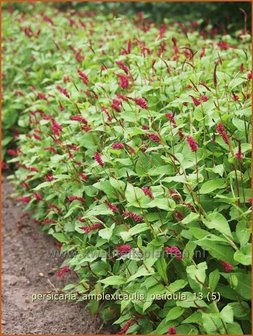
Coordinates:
147 191
118 145
141 102
222 131
175 251
239 155
154 137
98 159
24 199
133 216
72 198
172 331
83 77
112 206
122 66
123 81
62 271
79 118
116 104
196 101
227 267
192 143
38 196
123 249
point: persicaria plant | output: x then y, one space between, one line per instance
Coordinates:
134 153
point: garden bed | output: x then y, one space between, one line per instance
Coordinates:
130 143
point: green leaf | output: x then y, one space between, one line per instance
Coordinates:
161 266
243 232
212 185
241 309
190 218
107 232
117 184
174 313
113 280
217 250
243 256
227 314
134 195
60 237
142 271
211 323
234 329
197 273
161 203
217 221
176 285
244 285
214 278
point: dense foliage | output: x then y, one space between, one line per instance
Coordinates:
134 153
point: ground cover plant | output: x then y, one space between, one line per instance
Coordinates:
132 149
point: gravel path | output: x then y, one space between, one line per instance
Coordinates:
27 269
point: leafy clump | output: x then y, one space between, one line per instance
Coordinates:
134 153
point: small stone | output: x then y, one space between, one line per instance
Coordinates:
41 274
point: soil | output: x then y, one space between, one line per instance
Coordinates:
28 268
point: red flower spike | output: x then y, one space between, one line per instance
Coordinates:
221 130
147 191
83 176
79 118
196 101
79 56
116 104
63 91
133 216
55 127
51 149
172 331
250 75
235 97
122 97
62 271
239 155
204 98
192 144
123 81
72 198
12 152
124 249
122 66
49 178
227 267
126 326
24 199
141 102
174 250
154 137
170 116
180 134
38 196
41 96
112 207
83 77
98 159
223 45
175 194
179 216
118 145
